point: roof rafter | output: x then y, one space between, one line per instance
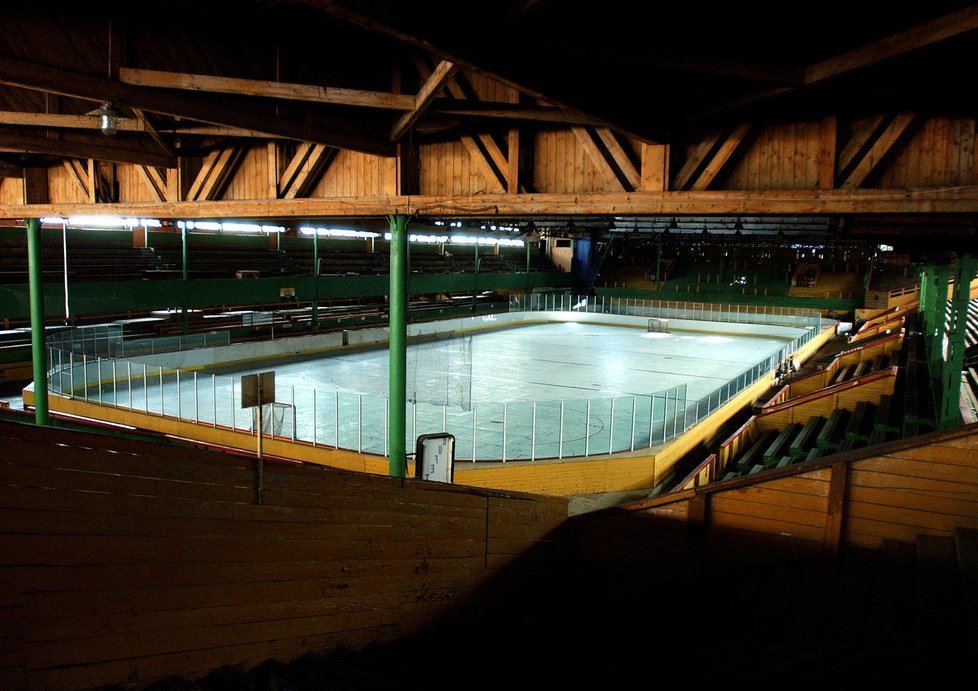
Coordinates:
434 83
108 150
349 133
921 36
267 89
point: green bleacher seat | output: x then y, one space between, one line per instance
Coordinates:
855 429
881 421
828 438
753 454
776 448
802 441
814 453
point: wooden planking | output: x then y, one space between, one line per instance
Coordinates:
873 506
250 181
140 586
772 525
352 174
910 469
11 190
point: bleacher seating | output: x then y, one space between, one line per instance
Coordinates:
219 261
87 256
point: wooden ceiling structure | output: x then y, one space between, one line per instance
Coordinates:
674 107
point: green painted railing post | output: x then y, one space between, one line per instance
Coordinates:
38 351
398 307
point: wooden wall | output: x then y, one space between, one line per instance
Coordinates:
125 568
927 484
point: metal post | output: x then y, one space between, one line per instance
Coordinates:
315 280
505 422
587 427
129 379
475 275
560 434
397 345
185 279
611 427
179 402
632 446
261 457
36 289
196 400
145 391
949 414
473 431
336 418
293 412
214 397
533 433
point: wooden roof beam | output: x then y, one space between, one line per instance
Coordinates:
155 182
435 82
880 148
722 156
109 149
305 168
266 89
927 34
945 200
58 121
215 173
348 133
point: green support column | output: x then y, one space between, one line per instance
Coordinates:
186 280
38 351
926 275
526 290
936 320
950 412
315 280
658 262
475 277
397 457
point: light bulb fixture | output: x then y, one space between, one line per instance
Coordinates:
108 119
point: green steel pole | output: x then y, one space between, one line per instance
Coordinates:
315 280
937 321
186 276
397 458
950 413
38 352
924 297
658 262
475 277
526 290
